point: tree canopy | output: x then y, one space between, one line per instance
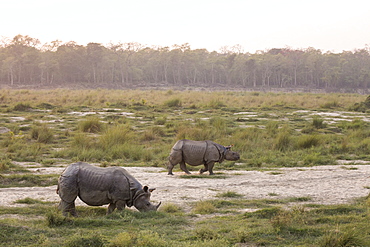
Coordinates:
25 61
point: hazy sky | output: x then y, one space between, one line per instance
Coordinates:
329 25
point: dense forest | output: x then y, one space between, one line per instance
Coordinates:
25 61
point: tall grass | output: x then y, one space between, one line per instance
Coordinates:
42 133
91 125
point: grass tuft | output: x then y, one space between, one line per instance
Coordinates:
204 207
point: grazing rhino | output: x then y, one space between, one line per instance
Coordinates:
196 153
98 186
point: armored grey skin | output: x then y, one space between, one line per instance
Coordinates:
100 186
197 153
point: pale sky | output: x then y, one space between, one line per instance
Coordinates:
329 25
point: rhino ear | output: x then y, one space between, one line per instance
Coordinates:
229 147
151 190
145 188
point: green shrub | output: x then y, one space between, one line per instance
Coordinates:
316 158
272 127
318 123
82 240
230 194
55 219
193 133
123 239
29 200
282 141
307 141
22 107
170 208
204 207
205 233
243 235
152 133
91 125
216 104
218 123
337 238
28 180
329 105
355 124
116 135
265 213
175 102
160 121
5 164
42 134
150 239
282 220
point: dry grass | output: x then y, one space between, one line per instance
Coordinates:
105 97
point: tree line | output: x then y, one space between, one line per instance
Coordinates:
25 61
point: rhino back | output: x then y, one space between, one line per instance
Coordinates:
99 186
194 152
214 152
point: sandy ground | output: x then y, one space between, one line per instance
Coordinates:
323 184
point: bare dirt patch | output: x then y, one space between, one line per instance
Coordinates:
323 184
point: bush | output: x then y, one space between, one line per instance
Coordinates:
230 194
204 207
205 233
152 133
54 219
88 241
175 102
160 121
5 164
170 208
218 123
318 123
22 107
272 127
82 141
42 134
116 135
150 239
123 239
216 104
339 238
91 125
282 141
307 141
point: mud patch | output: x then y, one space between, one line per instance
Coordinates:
323 184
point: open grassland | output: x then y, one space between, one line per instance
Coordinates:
51 128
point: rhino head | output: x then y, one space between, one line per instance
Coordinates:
231 155
142 201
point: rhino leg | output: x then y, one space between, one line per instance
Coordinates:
121 205
210 168
204 169
170 167
183 167
68 208
111 208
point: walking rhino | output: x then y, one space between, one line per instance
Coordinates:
196 153
98 186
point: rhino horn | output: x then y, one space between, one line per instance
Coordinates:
158 205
